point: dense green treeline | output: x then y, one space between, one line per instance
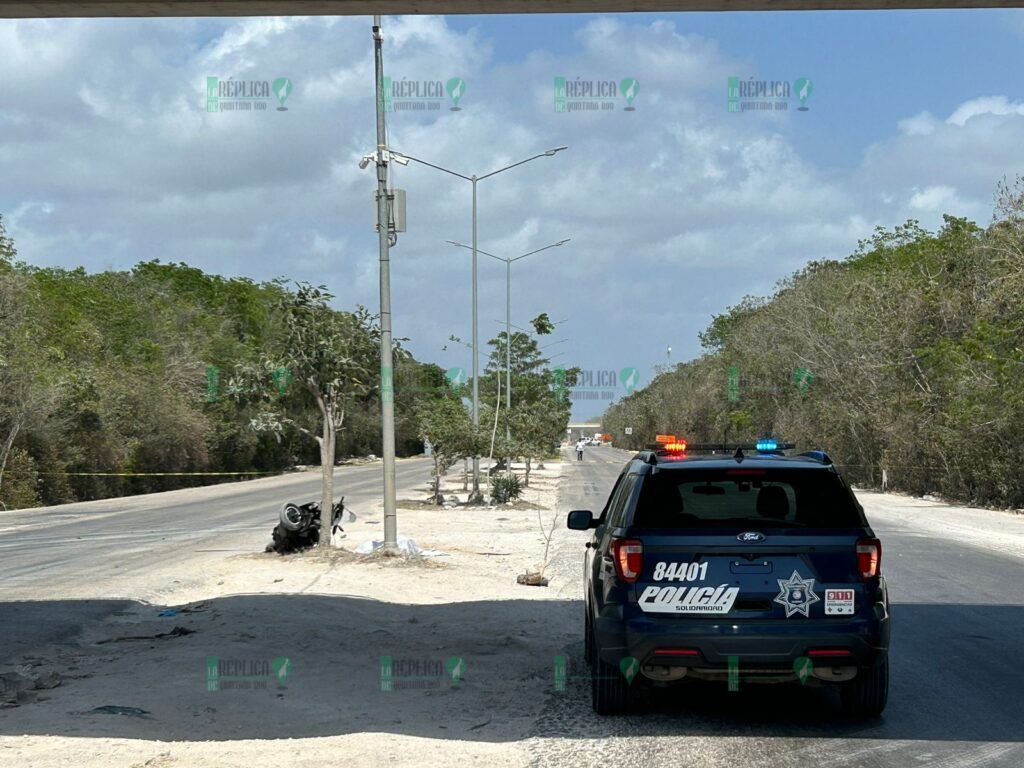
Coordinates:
908 356
114 373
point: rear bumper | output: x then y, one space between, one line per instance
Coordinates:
765 643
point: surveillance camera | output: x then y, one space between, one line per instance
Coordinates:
399 159
365 161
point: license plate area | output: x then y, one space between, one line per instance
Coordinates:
748 567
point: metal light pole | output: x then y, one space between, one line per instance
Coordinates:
508 313
387 394
475 496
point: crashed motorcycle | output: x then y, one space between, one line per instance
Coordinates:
299 526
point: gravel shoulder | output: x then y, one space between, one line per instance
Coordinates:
134 686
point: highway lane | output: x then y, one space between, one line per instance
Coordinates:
116 546
955 696
47 547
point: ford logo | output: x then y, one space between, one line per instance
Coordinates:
751 536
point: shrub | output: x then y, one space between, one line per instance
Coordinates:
505 488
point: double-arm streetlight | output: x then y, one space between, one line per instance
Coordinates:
475 495
508 315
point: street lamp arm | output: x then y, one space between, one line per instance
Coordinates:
553 343
478 250
431 165
548 153
553 245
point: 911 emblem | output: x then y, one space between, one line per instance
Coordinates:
751 536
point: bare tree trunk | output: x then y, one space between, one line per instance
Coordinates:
526 480
6 449
327 445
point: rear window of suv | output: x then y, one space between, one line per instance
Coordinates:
769 498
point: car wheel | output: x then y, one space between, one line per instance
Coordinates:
866 695
610 692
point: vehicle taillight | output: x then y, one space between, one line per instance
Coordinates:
629 558
869 558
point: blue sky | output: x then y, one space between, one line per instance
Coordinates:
676 210
870 68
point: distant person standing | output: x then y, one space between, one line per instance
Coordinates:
579 449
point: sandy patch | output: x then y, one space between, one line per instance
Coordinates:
995 530
388 661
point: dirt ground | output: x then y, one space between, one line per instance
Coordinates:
301 646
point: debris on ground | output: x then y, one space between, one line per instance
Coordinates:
171 612
406 546
116 709
176 632
532 579
17 686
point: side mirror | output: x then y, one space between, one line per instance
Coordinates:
581 520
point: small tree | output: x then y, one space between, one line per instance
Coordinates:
327 356
30 374
536 428
445 422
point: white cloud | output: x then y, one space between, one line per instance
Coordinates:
936 199
987 105
675 210
921 124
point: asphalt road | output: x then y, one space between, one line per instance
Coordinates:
76 540
955 698
956 689
44 551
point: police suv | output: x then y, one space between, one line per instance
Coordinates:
733 563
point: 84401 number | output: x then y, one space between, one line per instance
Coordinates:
680 571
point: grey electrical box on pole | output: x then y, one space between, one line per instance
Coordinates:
396 204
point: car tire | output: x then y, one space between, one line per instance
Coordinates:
587 632
610 692
867 694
